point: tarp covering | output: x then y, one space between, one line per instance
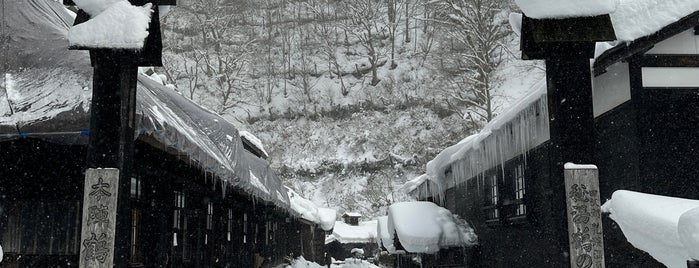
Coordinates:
46 91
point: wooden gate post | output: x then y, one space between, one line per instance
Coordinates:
584 216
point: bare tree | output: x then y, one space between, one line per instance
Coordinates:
480 32
365 16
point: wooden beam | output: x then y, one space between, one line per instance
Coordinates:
668 60
626 50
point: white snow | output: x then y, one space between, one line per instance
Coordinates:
1 254
255 181
578 166
424 227
325 217
365 232
352 214
121 25
95 7
650 223
384 235
301 262
688 229
634 19
254 140
357 251
548 9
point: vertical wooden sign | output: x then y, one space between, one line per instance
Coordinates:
99 217
584 216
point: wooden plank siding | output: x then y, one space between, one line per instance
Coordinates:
58 180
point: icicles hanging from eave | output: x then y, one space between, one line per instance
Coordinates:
495 146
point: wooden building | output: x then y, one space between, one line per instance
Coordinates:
198 197
645 103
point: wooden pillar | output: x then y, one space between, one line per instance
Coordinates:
567 45
111 143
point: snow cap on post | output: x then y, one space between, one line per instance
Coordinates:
119 26
560 9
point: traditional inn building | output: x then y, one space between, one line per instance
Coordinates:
198 197
646 109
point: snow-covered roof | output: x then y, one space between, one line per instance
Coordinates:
365 232
113 25
650 223
557 9
424 227
632 19
45 93
325 217
254 141
352 214
520 128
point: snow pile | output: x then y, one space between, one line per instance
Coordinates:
558 9
325 217
688 229
255 141
365 232
383 234
120 25
424 227
650 223
634 19
301 262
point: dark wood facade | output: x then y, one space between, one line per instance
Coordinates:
180 216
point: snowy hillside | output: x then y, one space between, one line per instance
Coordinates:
350 98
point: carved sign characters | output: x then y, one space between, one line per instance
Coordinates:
99 217
584 217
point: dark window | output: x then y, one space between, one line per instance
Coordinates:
42 228
245 228
136 188
230 224
209 216
520 191
491 198
136 243
179 207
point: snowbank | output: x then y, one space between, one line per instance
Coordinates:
424 227
325 217
558 9
365 232
650 223
121 25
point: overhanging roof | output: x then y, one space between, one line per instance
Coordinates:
45 93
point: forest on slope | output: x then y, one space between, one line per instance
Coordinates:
351 98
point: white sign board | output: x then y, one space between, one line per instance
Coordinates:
99 217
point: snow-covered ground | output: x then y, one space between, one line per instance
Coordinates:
348 263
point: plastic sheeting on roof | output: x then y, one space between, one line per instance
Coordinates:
45 93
